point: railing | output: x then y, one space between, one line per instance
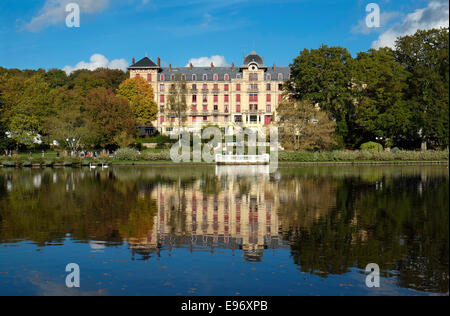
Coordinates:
242 159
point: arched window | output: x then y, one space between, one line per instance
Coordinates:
183 77
280 77
216 77
205 77
226 77
172 78
194 77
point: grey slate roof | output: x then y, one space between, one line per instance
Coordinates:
144 63
220 71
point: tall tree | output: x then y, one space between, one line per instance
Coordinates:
176 102
305 127
141 99
324 76
109 116
382 109
425 55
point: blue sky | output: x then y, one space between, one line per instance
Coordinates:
33 33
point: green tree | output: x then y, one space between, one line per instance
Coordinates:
305 127
324 76
109 116
425 55
382 109
141 99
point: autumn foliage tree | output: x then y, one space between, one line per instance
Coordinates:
109 117
305 127
141 98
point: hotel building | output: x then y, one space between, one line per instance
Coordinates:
244 96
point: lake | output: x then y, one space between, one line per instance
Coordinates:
226 230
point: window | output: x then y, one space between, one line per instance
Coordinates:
238 98
194 119
253 77
216 107
205 119
216 77
162 119
238 76
183 77
280 77
205 98
226 108
226 77
194 87
194 77
253 97
194 98
194 107
280 87
161 77
268 108
172 78
161 107
149 77
161 98
253 107
280 97
216 98
238 118
238 87
205 107
253 87
226 87
226 98
216 86
205 86
205 77
268 87
216 118
268 98
254 119
238 108
161 87
268 77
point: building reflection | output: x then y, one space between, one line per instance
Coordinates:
235 210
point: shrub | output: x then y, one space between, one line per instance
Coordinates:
128 154
157 156
372 147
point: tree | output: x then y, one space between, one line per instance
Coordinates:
69 125
305 127
176 102
425 55
141 99
109 116
324 77
382 109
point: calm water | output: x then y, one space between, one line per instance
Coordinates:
225 230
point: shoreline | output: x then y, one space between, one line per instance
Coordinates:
198 164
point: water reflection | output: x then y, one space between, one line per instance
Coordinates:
332 219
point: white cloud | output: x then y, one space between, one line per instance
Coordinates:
219 61
435 15
54 12
98 61
385 17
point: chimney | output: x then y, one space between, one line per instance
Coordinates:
133 61
212 65
159 62
263 59
232 65
191 66
170 67
274 67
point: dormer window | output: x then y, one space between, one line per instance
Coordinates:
194 77
205 77
172 78
216 77
268 77
183 77
226 77
280 77
161 77
238 76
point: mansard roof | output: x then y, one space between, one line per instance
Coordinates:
144 63
253 58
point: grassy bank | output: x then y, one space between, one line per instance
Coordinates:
132 157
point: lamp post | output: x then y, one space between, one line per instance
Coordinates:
379 139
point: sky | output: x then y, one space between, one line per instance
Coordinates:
34 33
